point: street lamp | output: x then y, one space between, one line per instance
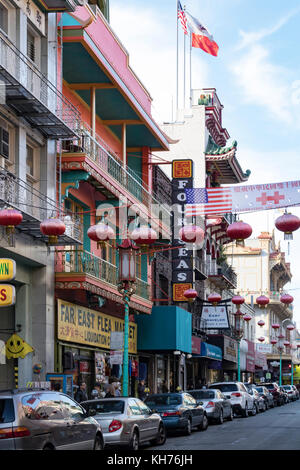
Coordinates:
281 345
126 286
238 332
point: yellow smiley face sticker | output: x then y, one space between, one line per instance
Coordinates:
16 347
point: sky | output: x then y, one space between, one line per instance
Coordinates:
256 74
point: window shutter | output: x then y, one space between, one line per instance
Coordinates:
30 46
4 143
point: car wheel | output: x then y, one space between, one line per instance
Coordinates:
230 417
98 445
245 412
48 447
188 428
264 408
134 443
161 437
221 418
254 410
204 425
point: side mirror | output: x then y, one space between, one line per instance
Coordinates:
199 402
91 412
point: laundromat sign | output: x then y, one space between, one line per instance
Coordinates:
82 325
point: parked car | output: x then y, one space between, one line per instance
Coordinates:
278 395
216 405
179 411
266 395
242 402
258 400
285 394
296 392
33 420
290 392
127 422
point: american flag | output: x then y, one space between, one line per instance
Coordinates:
182 18
201 201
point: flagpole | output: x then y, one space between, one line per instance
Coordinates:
184 67
191 69
177 62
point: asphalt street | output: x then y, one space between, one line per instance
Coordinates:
277 428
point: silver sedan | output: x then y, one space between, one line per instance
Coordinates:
216 405
127 421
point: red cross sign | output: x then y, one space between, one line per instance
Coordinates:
264 199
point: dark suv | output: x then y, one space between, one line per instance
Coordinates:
46 420
278 395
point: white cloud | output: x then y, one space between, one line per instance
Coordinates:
150 39
252 37
265 84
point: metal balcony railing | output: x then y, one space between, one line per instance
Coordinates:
108 162
32 95
35 207
84 262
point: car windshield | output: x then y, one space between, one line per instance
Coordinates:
286 387
259 389
7 413
106 406
205 394
163 400
269 386
226 387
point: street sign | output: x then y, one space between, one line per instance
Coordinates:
7 269
7 295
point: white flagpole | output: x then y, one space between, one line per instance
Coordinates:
191 69
177 61
184 67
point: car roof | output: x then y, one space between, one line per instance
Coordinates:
107 399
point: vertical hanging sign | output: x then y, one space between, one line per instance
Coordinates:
182 257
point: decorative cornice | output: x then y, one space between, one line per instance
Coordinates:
115 297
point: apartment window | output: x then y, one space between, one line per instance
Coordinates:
3 18
31 46
29 160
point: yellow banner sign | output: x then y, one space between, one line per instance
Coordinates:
82 325
7 269
7 295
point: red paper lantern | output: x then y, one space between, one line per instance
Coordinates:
261 339
247 317
262 301
144 236
286 299
261 323
273 341
281 336
287 223
10 218
191 234
237 300
214 298
101 233
275 326
53 228
239 231
286 343
190 294
290 327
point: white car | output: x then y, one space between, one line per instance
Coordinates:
242 402
290 391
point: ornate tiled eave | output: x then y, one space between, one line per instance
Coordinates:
108 293
223 162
